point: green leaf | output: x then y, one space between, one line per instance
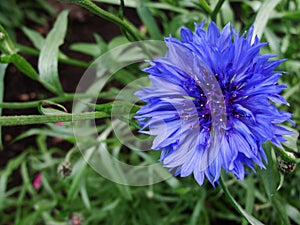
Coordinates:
5 174
148 20
51 133
262 17
86 48
21 63
269 176
26 179
35 37
48 60
293 15
274 44
237 206
84 195
3 185
279 204
293 89
6 44
2 74
124 76
293 213
204 5
79 171
24 66
45 5
291 140
50 108
48 187
196 216
249 196
116 107
117 41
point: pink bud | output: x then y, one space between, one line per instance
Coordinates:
59 123
37 182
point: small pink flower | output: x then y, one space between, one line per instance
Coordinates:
37 182
59 123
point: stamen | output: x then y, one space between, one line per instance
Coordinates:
237 116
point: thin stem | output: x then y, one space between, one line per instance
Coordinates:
41 119
70 153
217 9
65 98
203 4
93 8
63 59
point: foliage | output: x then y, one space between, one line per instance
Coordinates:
270 196
34 11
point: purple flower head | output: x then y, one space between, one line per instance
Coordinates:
211 103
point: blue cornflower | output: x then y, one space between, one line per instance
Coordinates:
211 103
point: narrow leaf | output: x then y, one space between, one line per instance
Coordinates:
48 60
50 108
237 206
262 17
85 196
5 174
3 185
279 205
249 196
86 48
291 140
196 216
79 169
35 37
2 73
148 20
204 5
24 66
6 44
269 176
293 213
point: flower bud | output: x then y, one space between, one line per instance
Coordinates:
64 169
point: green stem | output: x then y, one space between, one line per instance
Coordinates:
41 119
203 4
217 9
65 98
70 153
124 24
61 58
